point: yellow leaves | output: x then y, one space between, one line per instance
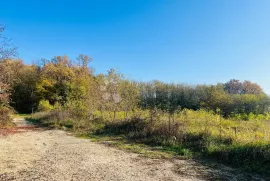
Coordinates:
58 72
45 83
44 105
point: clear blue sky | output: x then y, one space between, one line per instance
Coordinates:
196 41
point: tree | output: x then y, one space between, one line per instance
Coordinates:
148 98
251 88
7 49
218 98
129 93
234 87
112 94
83 60
4 94
56 79
247 87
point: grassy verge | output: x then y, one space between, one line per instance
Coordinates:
21 115
150 151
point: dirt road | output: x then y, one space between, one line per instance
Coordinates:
54 155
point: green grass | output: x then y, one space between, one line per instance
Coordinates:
123 143
21 115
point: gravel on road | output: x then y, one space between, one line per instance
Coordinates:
54 155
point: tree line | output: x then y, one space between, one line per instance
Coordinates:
61 82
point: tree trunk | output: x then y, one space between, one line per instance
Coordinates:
114 115
102 114
169 124
151 115
220 128
126 115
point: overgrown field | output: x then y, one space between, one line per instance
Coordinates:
197 134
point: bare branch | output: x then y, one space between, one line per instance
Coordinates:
7 49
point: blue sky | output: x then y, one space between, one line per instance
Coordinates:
177 41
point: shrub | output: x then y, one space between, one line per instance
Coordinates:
5 118
44 105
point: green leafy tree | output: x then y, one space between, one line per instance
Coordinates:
55 82
129 92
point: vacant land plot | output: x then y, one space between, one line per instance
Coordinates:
33 154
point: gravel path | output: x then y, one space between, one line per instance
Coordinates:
56 155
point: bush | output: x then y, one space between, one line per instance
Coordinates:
251 157
5 118
44 105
